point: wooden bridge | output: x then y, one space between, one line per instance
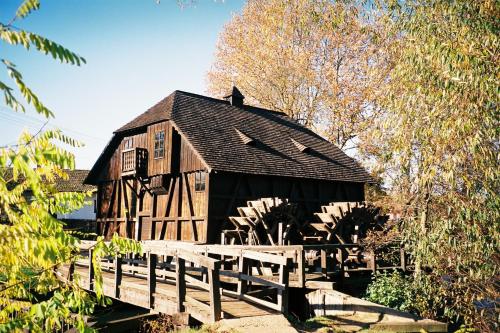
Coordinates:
211 282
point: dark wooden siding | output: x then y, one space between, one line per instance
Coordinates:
159 166
189 160
112 170
229 191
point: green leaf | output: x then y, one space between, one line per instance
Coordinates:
27 7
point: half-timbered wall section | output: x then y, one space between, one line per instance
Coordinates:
174 209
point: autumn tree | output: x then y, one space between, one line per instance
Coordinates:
312 60
33 243
437 141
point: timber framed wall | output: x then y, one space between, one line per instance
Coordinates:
127 206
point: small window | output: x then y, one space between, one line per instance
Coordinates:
199 181
159 144
129 143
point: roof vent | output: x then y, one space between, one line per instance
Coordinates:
245 138
235 97
300 146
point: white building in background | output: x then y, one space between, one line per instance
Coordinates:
82 219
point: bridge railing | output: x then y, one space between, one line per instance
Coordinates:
153 270
247 268
272 290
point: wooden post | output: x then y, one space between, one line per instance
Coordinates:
341 266
180 283
214 283
280 233
373 262
118 275
71 271
204 270
243 269
403 258
91 271
223 242
152 231
283 294
151 260
301 268
324 268
334 260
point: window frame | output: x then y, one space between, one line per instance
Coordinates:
129 143
159 145
200 181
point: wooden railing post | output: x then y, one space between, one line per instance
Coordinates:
118 275
280 233
340 253
91 271
151 260
283 294
324 268
243 269
301 270
71 271
373 262
214 283
180 283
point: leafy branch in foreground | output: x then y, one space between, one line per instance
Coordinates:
14 36
33 243
437 139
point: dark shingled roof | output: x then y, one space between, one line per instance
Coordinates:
74 183
209 125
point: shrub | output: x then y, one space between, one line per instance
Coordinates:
393 290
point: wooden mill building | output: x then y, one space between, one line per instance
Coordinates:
179 169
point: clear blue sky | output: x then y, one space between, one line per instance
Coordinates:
137 52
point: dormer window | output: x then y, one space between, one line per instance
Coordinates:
245 138
159 144
302 148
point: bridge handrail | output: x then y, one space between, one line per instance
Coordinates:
151 252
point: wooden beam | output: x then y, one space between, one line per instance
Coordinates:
204 238
152 230
171 191
373 262
138 208
180 283
152 260
191 209
301 269
324 268
91 271
119 202
179 209
215 303
118 275
243 268
283 294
